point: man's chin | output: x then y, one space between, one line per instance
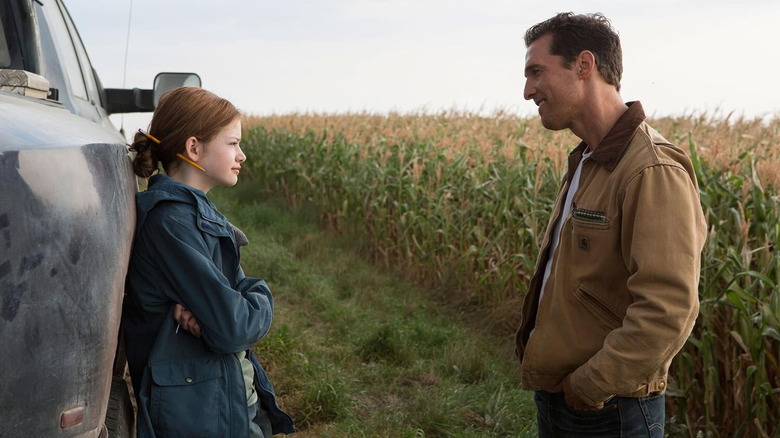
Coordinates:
553 125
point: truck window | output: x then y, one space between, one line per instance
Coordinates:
6 25
5 54
55 40
86 66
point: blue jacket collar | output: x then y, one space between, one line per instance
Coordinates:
163 188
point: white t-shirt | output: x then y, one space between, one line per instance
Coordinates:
556 237
248 370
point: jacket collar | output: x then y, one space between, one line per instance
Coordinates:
210 220
168 184
611 148
164 188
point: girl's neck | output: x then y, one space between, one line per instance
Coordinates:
189 175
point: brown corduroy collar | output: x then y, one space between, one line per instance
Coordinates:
611 148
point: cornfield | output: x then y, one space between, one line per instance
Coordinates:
459 201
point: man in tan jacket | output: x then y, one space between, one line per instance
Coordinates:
615 291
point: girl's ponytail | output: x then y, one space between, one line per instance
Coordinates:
145 163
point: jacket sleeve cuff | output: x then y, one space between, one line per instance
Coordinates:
587 390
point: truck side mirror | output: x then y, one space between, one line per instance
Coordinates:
136 100
168 81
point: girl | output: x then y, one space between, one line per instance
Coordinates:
191 315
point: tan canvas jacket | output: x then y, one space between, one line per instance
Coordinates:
623 294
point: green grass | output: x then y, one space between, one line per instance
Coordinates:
357 353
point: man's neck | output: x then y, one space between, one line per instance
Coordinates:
599 118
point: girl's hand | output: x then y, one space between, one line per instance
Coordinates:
186 320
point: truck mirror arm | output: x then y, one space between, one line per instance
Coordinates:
136 100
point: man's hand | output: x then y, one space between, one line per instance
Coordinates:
573 400
186 320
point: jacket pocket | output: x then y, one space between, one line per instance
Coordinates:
213 226
608 318
185 397
593 219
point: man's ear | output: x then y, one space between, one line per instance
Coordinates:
193 149
585 64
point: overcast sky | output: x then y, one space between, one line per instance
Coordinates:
276 57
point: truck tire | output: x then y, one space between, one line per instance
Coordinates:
120 416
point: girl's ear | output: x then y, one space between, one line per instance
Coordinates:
193 149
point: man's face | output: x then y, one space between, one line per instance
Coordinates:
553 88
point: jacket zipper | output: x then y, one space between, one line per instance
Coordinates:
231 419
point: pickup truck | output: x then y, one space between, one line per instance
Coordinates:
67 216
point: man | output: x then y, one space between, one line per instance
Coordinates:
614 296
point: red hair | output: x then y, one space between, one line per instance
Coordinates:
182 113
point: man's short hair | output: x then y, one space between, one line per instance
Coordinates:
573 33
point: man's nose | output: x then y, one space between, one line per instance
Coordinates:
528 90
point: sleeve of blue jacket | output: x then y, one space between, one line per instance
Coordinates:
231 319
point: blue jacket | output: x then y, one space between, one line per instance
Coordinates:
185 252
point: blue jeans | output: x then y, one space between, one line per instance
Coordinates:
622 417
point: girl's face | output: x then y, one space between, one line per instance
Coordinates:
222 156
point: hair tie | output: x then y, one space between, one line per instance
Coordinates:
149 136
